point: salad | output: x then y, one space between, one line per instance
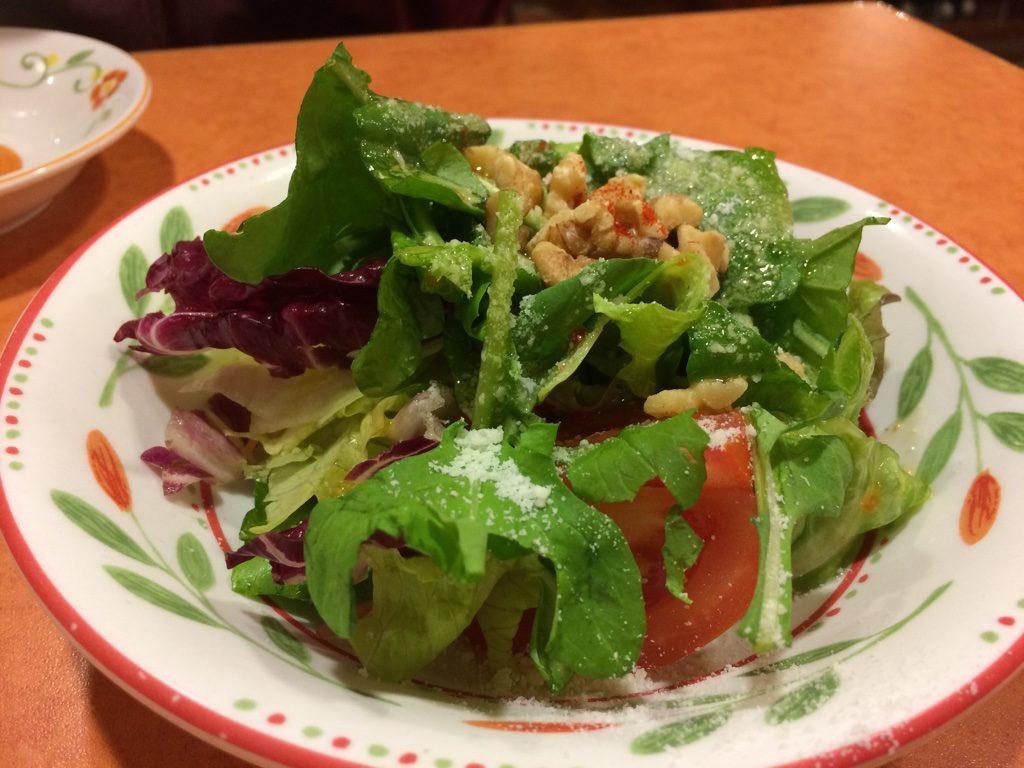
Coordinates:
589 402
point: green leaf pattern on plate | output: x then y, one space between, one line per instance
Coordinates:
999 373
99 526
194 562
805 700
804 693
284 640
176 225
939 448
807 210
133 279
1008 426
995 372
157 595
681 732
915 382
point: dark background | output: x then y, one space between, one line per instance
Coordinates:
995 25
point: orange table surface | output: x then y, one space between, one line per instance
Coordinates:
856 91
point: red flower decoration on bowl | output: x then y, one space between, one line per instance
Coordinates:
106 87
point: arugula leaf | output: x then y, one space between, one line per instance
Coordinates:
335 213
354 152
405 316
767 622
740 192
449 502
760 272
445 269
540 154
616 468
810 322
500 396
681 549
723 346
547 320
440 174
609 156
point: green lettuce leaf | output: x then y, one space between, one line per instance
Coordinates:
866 301
879 492
646 330
461 499
418 611
254 579
319 468
848 368
500 616
819 486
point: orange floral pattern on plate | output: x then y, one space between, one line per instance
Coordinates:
108 470
981 505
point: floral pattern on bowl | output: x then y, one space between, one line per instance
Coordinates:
63 99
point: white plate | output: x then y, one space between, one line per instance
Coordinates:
918 630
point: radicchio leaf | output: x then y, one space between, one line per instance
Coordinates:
302 319
400 450
203 446
284 550
175 472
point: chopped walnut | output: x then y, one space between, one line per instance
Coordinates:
507 172
705 395
711 245
615 222
792 362
554 264
567 187
676 210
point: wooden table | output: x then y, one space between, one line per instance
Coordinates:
855 91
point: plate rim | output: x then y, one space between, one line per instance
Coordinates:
245 741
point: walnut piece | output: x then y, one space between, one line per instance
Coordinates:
507 172
706 395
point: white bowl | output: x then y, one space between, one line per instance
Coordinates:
63 99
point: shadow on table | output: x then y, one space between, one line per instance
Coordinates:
124 175
140 738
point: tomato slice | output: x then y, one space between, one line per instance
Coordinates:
722 580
